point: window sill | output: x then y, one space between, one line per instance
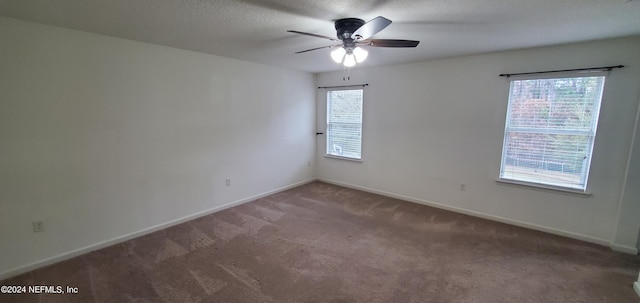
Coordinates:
343 158
544 187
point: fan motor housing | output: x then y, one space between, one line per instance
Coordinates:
346 27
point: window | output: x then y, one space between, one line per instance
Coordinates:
550 130
344 123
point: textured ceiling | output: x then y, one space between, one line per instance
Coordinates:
255 30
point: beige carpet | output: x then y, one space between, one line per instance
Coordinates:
324 243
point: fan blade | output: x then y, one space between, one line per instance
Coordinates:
370 28
313 35
317 48
391 43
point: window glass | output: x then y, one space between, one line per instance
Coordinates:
344 123
550 130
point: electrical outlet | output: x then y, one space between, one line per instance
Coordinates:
38 226
309 163
463 187
227 182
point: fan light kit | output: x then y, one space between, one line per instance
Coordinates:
354 33
349 57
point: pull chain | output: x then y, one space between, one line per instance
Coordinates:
346 74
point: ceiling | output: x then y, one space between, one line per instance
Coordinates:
256 30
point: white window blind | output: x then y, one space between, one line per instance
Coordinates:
550 130
344 123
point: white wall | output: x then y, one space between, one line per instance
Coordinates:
636 285
628 225
102 138
430 126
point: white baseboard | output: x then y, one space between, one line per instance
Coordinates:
624 249
636 286
473 213
83 250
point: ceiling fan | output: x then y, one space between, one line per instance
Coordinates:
353 33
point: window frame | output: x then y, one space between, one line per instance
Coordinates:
590 134
326 101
